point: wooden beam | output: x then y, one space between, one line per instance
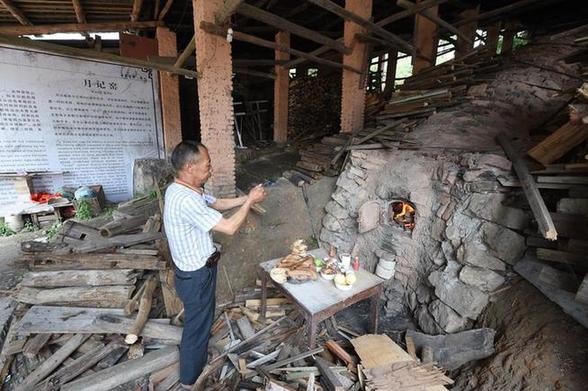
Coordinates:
165 9
80 14
121 373
47 47
77 27
228 9
285 25
188 51
370 26
222 32
251 72
16 12
538 207
432 16
501 10
384 22
409 12
136 12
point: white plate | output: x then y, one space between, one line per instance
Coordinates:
343 287
328 277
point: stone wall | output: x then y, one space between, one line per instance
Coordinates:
465 238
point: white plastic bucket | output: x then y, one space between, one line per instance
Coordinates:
385 269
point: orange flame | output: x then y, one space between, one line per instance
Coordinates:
403 214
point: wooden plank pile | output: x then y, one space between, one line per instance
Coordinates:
95 311
437 87
328 156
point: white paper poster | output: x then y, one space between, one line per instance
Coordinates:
88 119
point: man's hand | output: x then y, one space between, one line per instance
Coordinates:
257 194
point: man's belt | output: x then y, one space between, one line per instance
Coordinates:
213 259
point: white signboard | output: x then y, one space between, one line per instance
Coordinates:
88 119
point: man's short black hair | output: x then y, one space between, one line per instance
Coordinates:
184 153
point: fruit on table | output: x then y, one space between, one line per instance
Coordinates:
350 279
340 279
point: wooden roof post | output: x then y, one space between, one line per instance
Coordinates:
426 40
353 90
214 64
169 86
281 86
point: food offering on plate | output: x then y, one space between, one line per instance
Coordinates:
345 281
298 265
328 273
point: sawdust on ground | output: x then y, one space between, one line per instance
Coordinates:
538 346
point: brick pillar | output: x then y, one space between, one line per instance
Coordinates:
281 85
492 34
426 40
169 86
353 84
391 72
510 30
469 29
215 86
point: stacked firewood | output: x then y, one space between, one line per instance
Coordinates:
314 104
437 87
97 309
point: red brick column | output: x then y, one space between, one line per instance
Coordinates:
353 94
215 85
281 85
169 87
426 40
469 29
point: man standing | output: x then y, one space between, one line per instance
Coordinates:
189 217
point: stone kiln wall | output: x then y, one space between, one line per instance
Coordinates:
465 235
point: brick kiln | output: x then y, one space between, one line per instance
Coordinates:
459 237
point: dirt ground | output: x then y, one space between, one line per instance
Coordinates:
538 346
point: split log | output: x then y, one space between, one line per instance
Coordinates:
328 378
144 309
68 320
559 143
540 212
35 344
338 351
104 296
121 373
47 261
80 365
120 226
70 278
53 362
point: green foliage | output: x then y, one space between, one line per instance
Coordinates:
83 210
53 229
152 195
29 226
5 230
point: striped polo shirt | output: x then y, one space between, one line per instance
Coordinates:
188 220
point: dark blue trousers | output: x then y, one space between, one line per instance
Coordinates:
196 290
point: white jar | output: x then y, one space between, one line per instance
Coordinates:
386 269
